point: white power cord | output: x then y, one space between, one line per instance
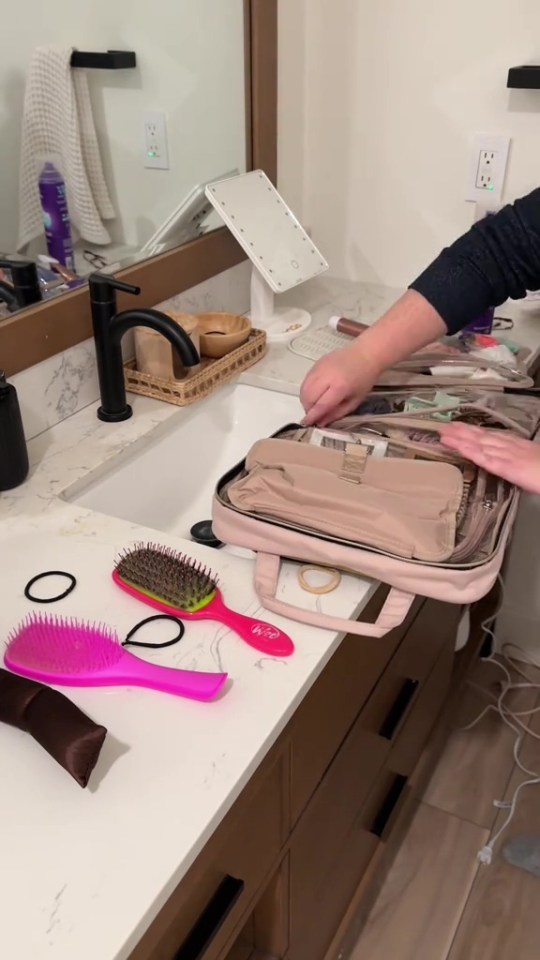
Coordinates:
511 718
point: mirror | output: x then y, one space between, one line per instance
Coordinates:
281 252
163 129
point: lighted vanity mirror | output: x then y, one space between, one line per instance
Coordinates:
165 125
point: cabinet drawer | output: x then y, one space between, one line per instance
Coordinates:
329 710
411 740
391 787
324 845
400 688
359 799
313 929
216 892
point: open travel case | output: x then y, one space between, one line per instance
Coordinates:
378 495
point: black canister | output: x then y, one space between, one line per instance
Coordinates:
13 452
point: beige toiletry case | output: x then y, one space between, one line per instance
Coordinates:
378 495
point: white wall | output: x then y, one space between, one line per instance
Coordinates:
191 65
293 83
378 101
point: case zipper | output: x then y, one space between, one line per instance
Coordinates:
424 418
486 520
486 512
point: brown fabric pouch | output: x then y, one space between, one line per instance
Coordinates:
64 731
407 508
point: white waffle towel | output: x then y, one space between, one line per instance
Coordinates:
58 123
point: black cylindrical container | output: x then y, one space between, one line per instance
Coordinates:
13 452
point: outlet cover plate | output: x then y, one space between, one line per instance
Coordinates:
156 149
488 158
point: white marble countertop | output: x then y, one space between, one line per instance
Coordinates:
83 873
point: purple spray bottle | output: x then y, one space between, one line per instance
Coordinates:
52 192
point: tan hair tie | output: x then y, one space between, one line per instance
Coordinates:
331 584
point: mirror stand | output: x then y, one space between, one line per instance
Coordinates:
279 323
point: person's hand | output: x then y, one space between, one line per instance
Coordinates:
497 451
336 385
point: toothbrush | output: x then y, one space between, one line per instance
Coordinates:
74 654
174 583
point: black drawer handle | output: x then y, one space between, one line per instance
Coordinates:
398 709
211 919
388 805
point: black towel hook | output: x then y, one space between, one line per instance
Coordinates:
111 60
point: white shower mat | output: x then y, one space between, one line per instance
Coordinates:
314 344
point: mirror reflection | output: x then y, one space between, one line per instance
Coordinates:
110 152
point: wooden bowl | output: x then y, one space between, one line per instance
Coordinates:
219 333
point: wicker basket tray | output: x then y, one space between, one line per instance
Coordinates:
211 375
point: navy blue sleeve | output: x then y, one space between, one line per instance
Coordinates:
499 257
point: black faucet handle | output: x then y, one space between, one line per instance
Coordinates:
16 263
22 270
102 287
24 276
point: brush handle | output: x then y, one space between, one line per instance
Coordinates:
264 637
193 684
130 671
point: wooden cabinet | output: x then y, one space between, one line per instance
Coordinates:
354 807
281 875
329 846
227 877
323 720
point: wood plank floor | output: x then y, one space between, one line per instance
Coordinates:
438 902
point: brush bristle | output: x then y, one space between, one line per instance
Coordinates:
171 577
58 645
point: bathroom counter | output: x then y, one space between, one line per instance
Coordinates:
84 873
283 370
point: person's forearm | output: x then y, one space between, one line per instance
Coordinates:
498 258
410 324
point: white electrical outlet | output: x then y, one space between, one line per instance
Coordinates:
156 151
487 168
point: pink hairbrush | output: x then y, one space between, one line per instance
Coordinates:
175 584
74 654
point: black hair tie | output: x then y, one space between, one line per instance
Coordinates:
154 646
50 573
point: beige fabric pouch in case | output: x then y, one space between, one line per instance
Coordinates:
404 507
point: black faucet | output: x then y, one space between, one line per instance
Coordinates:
109 328
25 281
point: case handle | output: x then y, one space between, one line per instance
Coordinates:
395 609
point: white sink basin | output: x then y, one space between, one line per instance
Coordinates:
166 480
